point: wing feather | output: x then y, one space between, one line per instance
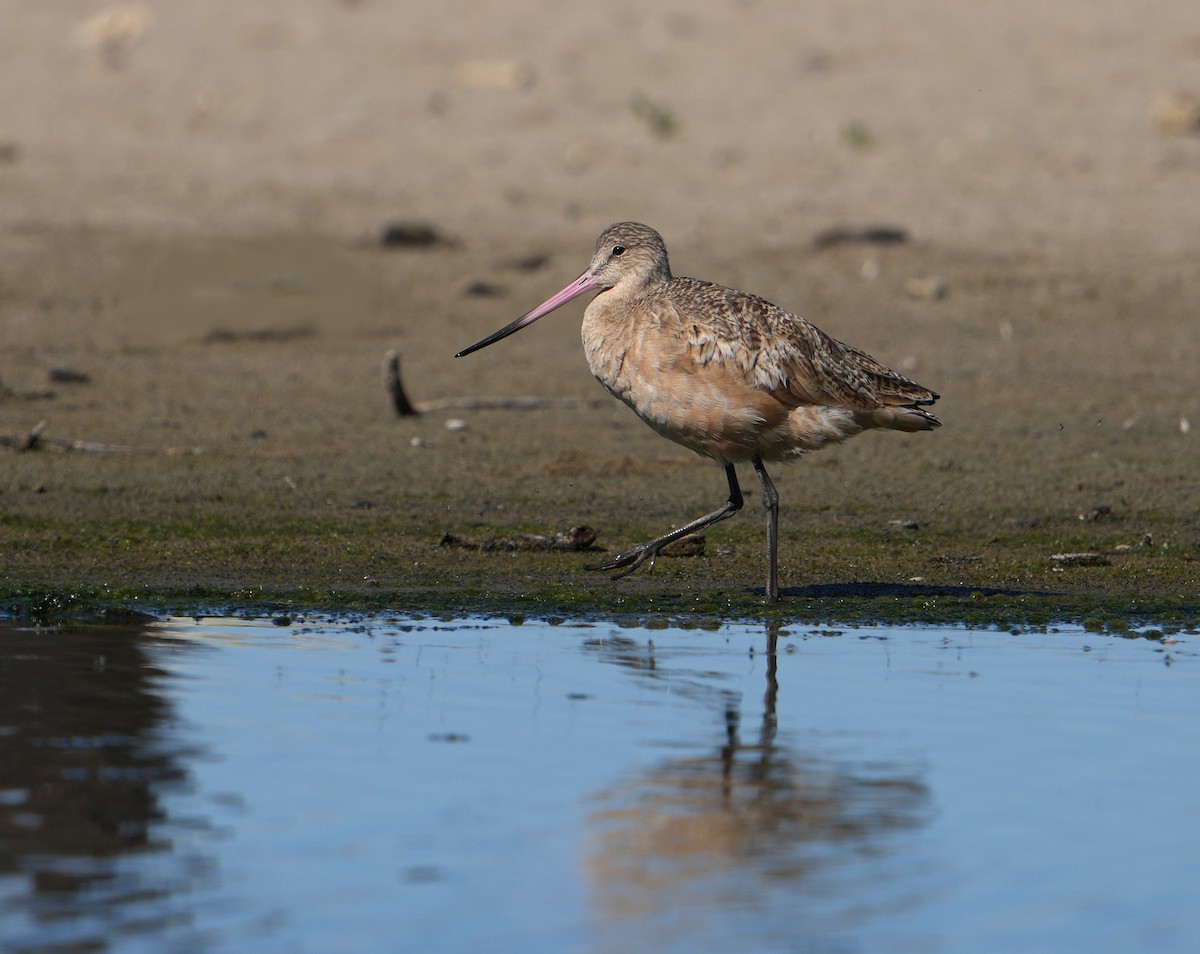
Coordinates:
778 352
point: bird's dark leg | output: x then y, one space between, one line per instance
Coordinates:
771 502
632 559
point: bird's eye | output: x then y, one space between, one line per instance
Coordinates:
618 249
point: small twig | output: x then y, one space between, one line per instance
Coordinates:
25 441
35 439
308 498
89 447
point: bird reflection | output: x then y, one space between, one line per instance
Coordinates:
85 758
741 815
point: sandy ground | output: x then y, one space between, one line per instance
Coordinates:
191 200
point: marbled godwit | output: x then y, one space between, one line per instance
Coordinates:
725 373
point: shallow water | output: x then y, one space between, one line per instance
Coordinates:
383 784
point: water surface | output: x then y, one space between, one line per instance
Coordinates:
384 784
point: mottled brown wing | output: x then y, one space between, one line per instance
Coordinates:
892 387
777 351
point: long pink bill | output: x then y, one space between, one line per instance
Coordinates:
581 286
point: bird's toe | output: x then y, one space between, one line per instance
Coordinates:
628 561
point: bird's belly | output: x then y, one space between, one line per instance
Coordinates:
719 415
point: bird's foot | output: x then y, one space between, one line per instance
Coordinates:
630 560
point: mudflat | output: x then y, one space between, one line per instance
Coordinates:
220 218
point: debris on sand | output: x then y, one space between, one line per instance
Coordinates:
115 32
410 235
35 439
25 394
1176 114
505 75
925 288
577 538
1090 558
403 407
872 235
687 547
69 376
395 387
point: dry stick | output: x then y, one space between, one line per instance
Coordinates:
391 384
25 394
35 439
26 441
404 407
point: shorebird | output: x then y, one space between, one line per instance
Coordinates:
722 372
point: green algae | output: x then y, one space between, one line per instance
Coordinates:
58 569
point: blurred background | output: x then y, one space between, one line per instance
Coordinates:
1012 125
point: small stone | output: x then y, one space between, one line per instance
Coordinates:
410 235
495 74
456 424
526 263
577 538
1176 114
857 136
115 31
69 376
931 288
482 289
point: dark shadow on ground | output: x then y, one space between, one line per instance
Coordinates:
869 590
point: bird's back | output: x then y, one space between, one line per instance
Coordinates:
731 375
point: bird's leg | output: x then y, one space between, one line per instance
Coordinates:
632 559
771 502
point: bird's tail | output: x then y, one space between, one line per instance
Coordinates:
898 419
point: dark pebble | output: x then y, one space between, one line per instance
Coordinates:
527 263
69 376
409 235
875 235
483 290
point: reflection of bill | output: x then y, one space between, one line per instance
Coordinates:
84 760
717 829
